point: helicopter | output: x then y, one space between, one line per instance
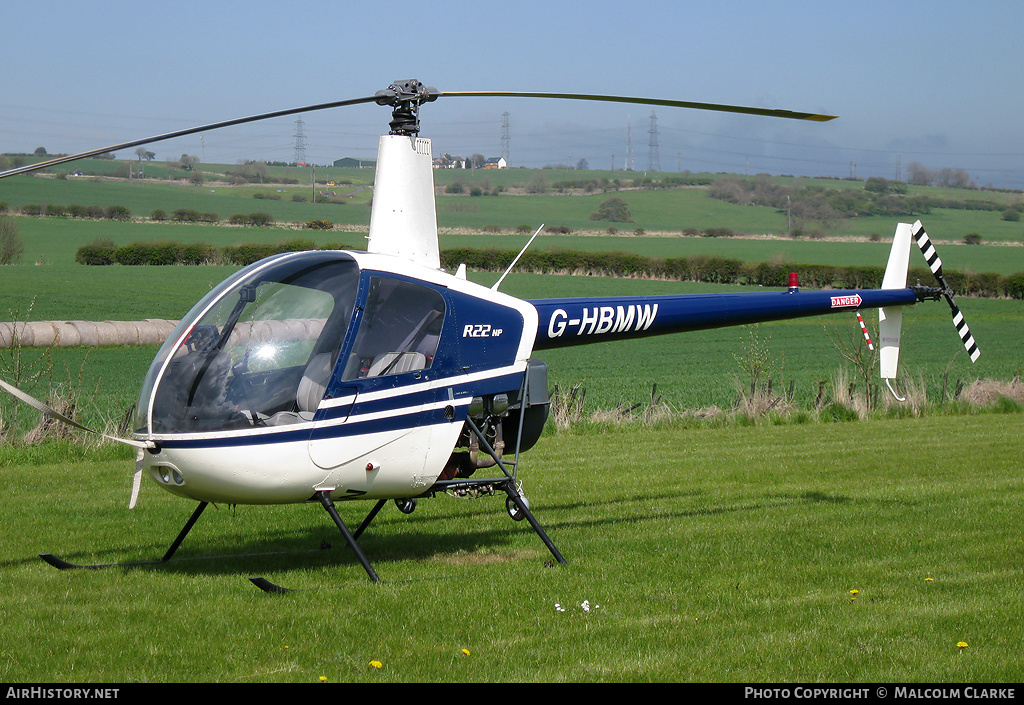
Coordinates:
331 376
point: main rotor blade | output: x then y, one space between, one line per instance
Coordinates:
183 133
649 101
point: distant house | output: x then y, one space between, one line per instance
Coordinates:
496 163
449 162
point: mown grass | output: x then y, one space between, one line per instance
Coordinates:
715 555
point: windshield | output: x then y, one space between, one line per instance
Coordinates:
257 351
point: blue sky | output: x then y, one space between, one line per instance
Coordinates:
938 82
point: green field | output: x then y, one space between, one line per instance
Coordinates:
661 214
703 555
718 550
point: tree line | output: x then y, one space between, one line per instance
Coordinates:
696 268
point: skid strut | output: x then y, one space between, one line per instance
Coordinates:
509 486
325 499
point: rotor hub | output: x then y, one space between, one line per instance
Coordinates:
406 97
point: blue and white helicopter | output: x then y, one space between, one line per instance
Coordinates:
334 375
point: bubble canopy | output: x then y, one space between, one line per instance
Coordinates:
257 350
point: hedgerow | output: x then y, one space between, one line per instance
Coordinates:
697 268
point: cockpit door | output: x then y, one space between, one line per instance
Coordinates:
376 424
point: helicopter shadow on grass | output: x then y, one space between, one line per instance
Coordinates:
470 535
643 505
316 543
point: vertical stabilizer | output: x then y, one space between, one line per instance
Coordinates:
403 221
890 319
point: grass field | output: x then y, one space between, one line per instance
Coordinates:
697 552
703 555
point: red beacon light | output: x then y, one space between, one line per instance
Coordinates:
794 285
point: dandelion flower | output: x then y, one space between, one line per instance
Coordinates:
376 664
929 580
466 652
961 645
323 679
854 592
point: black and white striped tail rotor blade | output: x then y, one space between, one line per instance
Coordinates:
935 264
964 332
930 255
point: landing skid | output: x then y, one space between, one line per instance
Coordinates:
61 564
516 504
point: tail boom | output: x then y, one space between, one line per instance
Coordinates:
580 321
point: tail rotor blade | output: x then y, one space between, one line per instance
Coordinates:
935 264
964 332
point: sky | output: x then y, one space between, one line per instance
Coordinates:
938 83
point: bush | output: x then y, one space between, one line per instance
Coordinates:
198 253
185 215
118 213
318 225
260 219
151 253
1011 214
614 210
972 239
247 254
100 252
1014 285
11 245
158 214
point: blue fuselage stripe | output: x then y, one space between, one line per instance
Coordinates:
396 411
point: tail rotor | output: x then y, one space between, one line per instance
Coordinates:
935 264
